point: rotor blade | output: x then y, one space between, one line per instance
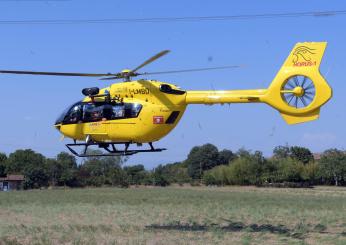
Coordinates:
287 96
304 80
155 57
289 85
57 73
290 100
192 70
111 78
302 100
311 85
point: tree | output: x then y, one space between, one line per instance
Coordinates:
98 171
3 159
243 153
333 166
159 179
226 156
118 177
54 171
281 152
290 170
217 176
31 165
202 158
68 167
35 177
270 171
20 160
310 172
247 168
176 172
136 174
301 154
62 170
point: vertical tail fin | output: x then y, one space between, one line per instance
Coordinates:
306 55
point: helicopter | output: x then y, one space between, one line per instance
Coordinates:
144 111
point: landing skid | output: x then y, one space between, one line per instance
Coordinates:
110 148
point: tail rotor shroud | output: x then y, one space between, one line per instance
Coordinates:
298 91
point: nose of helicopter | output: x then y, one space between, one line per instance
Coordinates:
58 122
60 119
57 126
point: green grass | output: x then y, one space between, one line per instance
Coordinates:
174 215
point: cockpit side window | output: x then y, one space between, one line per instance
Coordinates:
93 112
118 111
132 110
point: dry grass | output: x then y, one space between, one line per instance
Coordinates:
174 215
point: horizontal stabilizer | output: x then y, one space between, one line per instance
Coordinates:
291 119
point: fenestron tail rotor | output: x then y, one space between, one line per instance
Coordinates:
298 91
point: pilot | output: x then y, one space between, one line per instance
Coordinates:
95 115
74 119
107 112
75 114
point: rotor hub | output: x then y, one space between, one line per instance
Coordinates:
126 71
298 91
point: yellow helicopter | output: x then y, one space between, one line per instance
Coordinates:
144 111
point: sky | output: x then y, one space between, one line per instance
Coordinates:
32 103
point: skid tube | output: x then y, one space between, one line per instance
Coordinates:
110 148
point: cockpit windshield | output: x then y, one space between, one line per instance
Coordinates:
63 115
97 111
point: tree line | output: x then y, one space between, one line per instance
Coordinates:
291 166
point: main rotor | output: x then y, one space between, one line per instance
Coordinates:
126 74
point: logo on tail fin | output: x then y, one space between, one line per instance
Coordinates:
302 56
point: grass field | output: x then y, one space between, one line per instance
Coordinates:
174 215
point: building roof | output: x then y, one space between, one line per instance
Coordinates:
13 177
317 156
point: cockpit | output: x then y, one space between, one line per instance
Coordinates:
82 112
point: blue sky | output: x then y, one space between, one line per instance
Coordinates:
31 104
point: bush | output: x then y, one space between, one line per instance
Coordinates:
244 171
290 170
158 177
217 176
136 174
286 185
209 179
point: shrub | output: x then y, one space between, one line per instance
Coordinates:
217 176
290 170
244 171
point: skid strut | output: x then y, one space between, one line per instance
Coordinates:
109 148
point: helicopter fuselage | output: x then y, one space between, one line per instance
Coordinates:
138 112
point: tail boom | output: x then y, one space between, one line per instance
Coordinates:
225 96
298 91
